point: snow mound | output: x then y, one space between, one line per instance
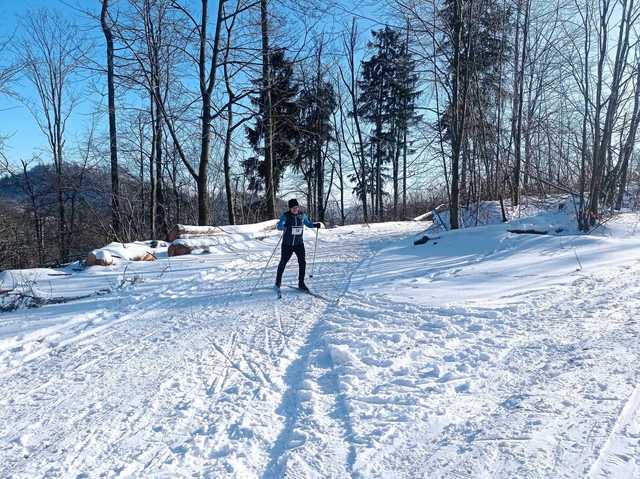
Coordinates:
550 214
341 355
126 251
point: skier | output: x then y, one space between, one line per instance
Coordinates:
292 223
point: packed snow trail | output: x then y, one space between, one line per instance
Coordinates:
186 377
483 354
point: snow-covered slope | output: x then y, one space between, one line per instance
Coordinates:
481 353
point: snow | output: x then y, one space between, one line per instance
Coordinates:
126 251
230 238
249 230
481 353
103 255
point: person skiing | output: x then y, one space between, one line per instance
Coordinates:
292 223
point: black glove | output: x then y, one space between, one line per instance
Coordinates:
317 225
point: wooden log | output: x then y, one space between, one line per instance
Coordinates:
191 231
146 257
428 216
178 249
99 258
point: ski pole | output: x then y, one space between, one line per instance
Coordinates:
315 248
266 265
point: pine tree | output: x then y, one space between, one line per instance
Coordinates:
317 104
405 118
284 116
387 101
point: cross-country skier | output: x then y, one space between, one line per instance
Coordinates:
292 222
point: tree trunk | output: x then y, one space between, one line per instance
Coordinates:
113 145
153 195
160 219
228 139
206 90
404 173
458 117
517 132
620 63
270 193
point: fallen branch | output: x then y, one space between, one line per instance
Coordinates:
25 300
528 232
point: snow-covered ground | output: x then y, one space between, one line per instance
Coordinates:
481 353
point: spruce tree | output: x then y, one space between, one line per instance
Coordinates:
284 117
317 104
388 101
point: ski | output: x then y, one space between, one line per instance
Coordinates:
311 293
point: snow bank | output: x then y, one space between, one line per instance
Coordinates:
456 266
553 212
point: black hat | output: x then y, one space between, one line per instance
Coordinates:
293 202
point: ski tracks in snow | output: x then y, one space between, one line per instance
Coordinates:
196 378
545 388
185 378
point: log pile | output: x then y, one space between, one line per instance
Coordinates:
194 232
185 239
123 251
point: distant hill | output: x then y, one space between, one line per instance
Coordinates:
87 184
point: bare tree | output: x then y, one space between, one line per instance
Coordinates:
8 71
627 149
604 132
113 143
52 53
350 81
207 66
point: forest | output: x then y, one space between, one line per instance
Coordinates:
214 113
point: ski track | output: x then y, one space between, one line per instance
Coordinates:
194 378
162 384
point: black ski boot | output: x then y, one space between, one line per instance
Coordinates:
303 287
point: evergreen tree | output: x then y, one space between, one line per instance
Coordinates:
284 116
317 104
405 117
387 101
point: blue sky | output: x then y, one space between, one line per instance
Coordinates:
23 137
16 122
